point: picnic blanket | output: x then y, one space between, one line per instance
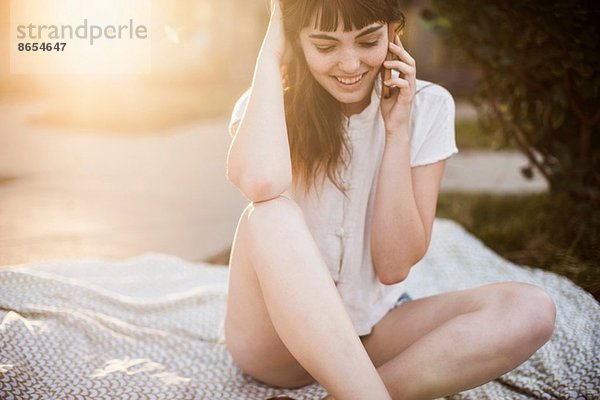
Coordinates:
148 328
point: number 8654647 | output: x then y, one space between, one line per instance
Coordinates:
44 46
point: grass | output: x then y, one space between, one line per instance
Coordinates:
525 229
469 136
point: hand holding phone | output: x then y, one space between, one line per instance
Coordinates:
387 73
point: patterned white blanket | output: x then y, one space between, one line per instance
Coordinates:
148 328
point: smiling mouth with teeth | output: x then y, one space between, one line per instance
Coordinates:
349 81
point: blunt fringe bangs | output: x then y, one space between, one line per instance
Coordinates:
353 14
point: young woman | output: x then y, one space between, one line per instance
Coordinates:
343 187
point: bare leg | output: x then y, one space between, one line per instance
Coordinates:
471 349
303 304
459 340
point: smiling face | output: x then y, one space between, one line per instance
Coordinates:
346 64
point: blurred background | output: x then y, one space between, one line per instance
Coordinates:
110 166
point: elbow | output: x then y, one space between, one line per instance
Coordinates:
390 276
260 190
390 273
258 181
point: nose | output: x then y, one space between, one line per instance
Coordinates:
349 63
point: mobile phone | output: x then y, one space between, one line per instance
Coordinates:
387 73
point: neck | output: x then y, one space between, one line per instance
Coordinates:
349 109
356 108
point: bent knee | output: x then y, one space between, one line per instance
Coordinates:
279 211
534 304
530 314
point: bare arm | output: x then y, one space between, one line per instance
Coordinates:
258 162
404 212
398 236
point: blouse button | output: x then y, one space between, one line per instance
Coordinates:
341 232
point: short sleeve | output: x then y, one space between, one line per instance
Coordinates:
238 112
433 137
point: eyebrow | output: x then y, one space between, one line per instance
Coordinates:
363 33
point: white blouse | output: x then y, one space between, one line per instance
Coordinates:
341 226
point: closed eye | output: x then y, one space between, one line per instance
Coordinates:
370 44
326 49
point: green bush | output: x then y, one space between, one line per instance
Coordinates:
539 86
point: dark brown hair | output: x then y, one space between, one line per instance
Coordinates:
317 137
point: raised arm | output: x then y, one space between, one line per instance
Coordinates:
258 162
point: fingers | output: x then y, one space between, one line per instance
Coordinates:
397 82
405 65
397 49
400 66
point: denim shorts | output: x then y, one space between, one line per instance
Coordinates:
404 298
